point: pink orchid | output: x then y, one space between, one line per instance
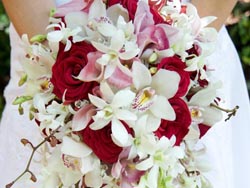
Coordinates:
119 79
72 6
125 169
157 36
92 71
83 117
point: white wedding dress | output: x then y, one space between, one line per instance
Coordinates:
228 144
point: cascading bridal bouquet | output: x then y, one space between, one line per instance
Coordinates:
121 94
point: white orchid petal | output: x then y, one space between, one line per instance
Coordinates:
75 149
161 108
125 115
100 47
97 9
55 36
69 178
109 70
124 69
68 45
211 116
117 11
107 29
117 41
129 54
166 83
93 179
52 26
205 96
98 102
119 133
153 123
140 127
76 19
146 164
193 133
107 93
99 124
141 75
153 176
104 59
123 98
87 164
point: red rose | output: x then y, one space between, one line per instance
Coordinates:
131 6
175 64
101 143
202 82
203 129
69 64
178 127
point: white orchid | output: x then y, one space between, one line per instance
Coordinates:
153 92
116 44
163 159
201 110
113 110
80 157
63 34
50 116
56 173
197 63
143 140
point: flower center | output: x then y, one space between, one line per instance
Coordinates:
45 84
144 99
105 113
72 163
196 114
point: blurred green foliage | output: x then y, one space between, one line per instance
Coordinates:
239 31
240 34
4 54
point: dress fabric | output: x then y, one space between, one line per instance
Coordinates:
228 143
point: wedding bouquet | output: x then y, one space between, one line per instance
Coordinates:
121 94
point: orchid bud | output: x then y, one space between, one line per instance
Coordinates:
153 57
22 99
20 109
22 80
38 38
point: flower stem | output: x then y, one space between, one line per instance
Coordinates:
27 169
230 112
189 173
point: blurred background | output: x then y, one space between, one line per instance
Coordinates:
238 25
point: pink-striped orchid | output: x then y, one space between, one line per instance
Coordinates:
154 91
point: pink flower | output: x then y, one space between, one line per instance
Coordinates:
132 5
72 6
149 34
125 169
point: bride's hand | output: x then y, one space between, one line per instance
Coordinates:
219 8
